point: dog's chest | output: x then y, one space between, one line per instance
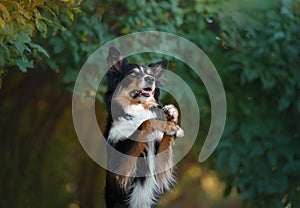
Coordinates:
124 126
139 113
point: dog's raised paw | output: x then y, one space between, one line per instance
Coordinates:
179 133
174 130
171 113
151 105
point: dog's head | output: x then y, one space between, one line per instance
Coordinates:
133 82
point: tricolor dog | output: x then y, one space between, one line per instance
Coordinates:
140 133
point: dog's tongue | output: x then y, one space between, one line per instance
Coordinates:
146 92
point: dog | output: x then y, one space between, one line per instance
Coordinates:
141 131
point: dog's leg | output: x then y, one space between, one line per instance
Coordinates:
168 127
164 157
128 165
139 146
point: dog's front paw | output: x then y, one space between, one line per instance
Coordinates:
179 133
151 105
174 130
171 113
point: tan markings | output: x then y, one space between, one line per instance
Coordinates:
134 102
148 71
129 166
136 70
149 104
164 158
123 94
165 143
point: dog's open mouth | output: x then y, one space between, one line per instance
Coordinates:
145 92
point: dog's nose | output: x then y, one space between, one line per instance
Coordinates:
149 79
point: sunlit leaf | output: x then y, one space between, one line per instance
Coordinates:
70 15
41 26
4 12
2 23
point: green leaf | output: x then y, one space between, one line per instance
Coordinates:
234 161
70 15
251 74
5 53
41 26
20 37
131 4
4 12
221 160
59 26
53 5
268 80
40 49
24 63
165 5
20 47
284 103
76 10
58 44
2 23
46 7
70 76
257 150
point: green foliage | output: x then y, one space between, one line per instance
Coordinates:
70 48
253 44
19 23
258 153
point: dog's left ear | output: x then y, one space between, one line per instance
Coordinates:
115 59
159 68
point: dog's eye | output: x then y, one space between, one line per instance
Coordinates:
148 71
135 72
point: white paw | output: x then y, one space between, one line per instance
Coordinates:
174 130
179 133
171 112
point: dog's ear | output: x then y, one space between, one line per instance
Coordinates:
159 68
115 59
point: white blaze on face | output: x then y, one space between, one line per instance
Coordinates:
143 83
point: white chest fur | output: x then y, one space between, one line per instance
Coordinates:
122 127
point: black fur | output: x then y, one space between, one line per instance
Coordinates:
115 196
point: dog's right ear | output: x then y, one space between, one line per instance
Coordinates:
115 59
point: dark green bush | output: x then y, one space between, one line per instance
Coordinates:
259 151
254 45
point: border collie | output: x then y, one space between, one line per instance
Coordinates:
140 132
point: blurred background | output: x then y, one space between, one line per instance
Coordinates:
255 47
